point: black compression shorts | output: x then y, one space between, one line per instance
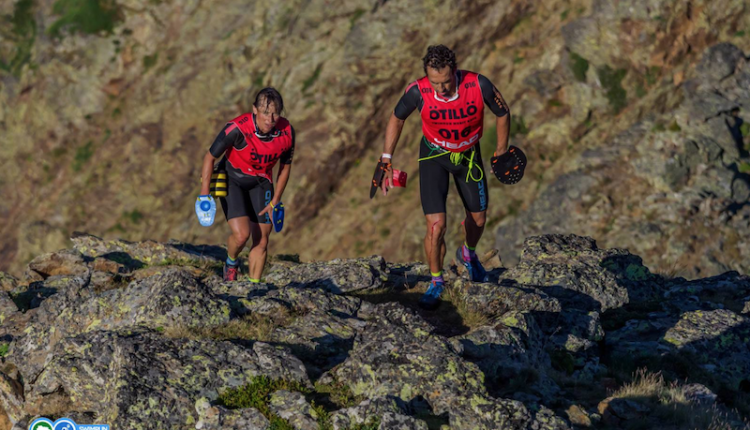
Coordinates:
246 196
434 177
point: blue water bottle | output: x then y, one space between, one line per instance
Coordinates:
205 208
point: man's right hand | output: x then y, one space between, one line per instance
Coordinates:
381 177
387 178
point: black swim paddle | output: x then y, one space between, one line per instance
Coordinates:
377 177
510 166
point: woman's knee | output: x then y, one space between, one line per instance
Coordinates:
240 237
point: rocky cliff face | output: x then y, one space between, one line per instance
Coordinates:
624 109
146 336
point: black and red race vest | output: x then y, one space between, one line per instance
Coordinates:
258 157
454 125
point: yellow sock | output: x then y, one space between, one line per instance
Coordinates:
255 281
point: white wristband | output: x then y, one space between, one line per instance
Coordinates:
386 155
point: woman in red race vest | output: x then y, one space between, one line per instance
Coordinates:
252 144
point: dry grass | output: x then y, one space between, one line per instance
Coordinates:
250 327
669 404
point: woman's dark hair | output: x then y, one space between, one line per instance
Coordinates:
439 56
267 96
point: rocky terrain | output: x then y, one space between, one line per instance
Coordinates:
625 109
145 335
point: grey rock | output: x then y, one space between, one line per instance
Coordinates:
608 278
336 276
717 340
174 299
387 410
293 407
214 417
144 380
719 62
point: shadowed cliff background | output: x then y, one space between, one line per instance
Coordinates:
631 113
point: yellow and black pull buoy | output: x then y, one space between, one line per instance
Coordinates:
218 186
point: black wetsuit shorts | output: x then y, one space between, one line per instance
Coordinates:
246 196
434 173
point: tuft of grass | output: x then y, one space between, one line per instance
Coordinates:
307 83
612 83
745 129
675 127
470 318
85 16
4 349
339 394
564 14
579 66
257 394
669 402
22 33
83 154
250 327
744 167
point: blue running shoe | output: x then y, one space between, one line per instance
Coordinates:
431 298
473 268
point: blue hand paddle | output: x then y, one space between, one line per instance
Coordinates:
205 209
278 217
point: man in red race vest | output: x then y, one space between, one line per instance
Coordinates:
451 105
252 144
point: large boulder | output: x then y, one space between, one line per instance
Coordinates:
609 277
335 276
139 379
396 355
718 341
174 299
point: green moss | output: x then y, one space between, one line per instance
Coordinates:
149 61
744 167
675 127
83 154
258 81
355 17
84 16
740 33
611 81
658 127
635 272
22 34
4 349
518 126
134 216
564 14
307 83
562 361
339 394
640 92
745 129
579 66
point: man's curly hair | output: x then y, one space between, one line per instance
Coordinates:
439 56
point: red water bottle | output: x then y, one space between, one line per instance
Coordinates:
399 178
